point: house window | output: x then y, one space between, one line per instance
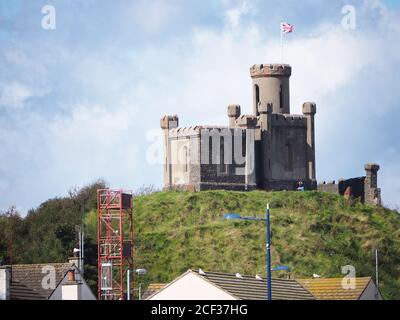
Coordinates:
281 97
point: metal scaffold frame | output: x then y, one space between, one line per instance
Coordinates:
115 242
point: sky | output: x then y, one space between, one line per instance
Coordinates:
83 101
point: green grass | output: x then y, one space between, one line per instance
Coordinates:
312 232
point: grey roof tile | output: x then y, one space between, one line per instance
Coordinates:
249 288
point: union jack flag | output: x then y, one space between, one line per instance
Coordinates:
287 27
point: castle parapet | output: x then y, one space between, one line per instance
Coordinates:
233 114
247 121
169 122
266 108
309 108
184 132
289 120
270 70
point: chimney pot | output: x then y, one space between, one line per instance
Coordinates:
71 275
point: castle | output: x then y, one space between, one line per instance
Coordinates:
269 150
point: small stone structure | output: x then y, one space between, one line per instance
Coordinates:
269 150
363 188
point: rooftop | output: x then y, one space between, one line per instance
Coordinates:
249 288
27 280
332 289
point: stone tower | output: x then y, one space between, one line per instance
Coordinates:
372 194
271 85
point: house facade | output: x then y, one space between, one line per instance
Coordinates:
51 281
200 285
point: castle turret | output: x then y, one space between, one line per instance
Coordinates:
167 123
233 114
309 110
372 194
271 85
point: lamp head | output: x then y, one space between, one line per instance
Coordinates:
232 216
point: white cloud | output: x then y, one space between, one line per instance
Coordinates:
233 15
92 142
152 16
14 95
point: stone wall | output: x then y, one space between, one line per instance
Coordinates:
363 188
353 187
372 192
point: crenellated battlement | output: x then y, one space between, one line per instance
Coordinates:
246 121
288 120
265 108
184 132
234 111
169 122
270 70
309 108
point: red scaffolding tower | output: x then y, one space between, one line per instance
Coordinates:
115 242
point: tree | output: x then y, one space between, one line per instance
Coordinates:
11 236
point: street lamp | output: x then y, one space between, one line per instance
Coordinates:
236 216
139 272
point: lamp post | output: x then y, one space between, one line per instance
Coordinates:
140 272
268 226
236 216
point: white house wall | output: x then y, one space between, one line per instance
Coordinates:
191 287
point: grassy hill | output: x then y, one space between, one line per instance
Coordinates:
312 232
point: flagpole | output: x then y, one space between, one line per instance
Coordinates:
281 40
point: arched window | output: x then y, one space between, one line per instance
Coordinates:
222 152
289 159
257 95
281 97
223 167
186 155
210 151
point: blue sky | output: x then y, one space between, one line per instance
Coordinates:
84 101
